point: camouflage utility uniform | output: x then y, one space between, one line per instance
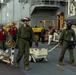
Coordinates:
66 37
23 39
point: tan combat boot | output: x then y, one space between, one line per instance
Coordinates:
73 64
17 65
26 68
61 63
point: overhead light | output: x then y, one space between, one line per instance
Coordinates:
2 1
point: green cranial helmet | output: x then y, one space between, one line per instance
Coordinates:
69 23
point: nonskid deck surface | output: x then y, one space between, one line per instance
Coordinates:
49 67
9 70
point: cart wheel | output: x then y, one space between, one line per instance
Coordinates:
30 58
41 59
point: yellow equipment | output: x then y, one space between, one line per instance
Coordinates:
43 23
37 30
60 20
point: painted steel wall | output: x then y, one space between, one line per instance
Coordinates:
14 11
45 15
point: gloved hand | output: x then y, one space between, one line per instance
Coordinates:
36 44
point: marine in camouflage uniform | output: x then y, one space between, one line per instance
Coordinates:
67 35
24 35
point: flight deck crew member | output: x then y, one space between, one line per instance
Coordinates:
68 41
43 31
24 34
3 38
12 33
51 32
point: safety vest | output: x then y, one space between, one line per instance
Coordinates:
13 30
2 35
